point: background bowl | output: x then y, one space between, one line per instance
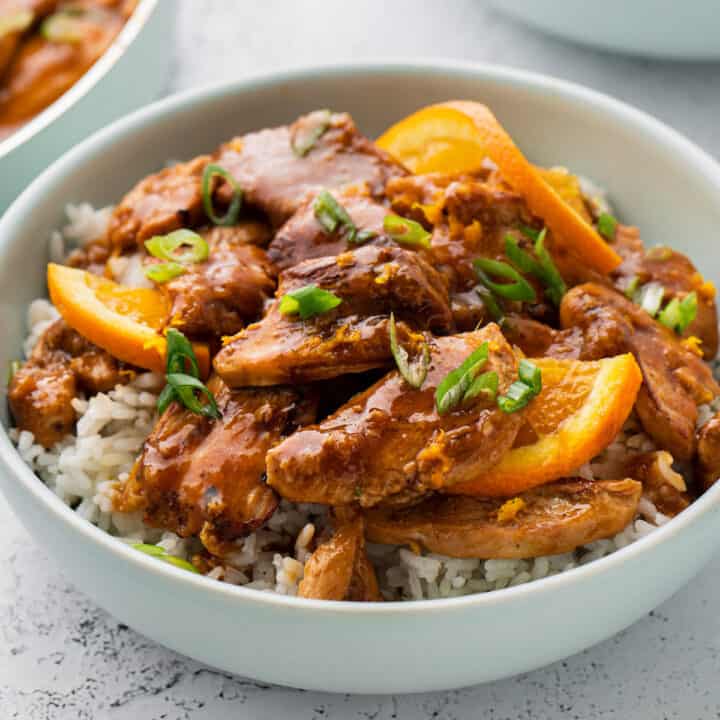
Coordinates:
128 75
657 179
688 30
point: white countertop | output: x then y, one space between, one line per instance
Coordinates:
61 658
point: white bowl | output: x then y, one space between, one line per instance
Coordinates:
127 76
657 179
688 30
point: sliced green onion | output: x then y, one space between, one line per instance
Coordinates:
490 303
16 22
331 214
485 384
406 232
303 142
519 289
543 268
64 26
649 297
679 314
308 301
153 550
413 373
161 554
364 236
165 398
632 287
607 225
13 367
452 388
530 233
516 398
180 354
231 216
530 374
184 387
164 272
165 247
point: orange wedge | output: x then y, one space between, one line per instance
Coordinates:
125 321
578 413
456 136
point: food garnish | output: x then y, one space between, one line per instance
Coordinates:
230 217
182 375
406 232
333 216
454 386
679 314
13 367
161 554
303 143
543 268
414 373
607 226
490 303
165 247
308 301
523 390
519 289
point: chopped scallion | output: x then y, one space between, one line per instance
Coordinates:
649 297
184 387
679 314
607 226
490 302
519 289
164 272
632 287
165 247
414 373
452 388
518 395
308 301
306 138
530 374
14 366
161 554
485 384
543 268
231 216
406 232
180 354
333 216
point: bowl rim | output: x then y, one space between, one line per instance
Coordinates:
522 80
102 66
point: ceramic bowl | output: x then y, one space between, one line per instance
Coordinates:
656 178
687 30
128 75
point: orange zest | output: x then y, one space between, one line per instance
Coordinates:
125 321
580 410
457 136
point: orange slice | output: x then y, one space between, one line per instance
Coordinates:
456 136
578 413
125 321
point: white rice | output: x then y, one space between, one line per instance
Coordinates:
84 470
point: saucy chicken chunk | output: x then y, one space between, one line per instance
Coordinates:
675 380
62 364
371 281
339 568
390 442
549 520
199 476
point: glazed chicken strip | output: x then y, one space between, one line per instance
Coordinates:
675 380
390 443
61 365
273 177
202 476
549 520
302 237
339 568
221 295
372 281
278 168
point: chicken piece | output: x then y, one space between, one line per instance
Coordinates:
708 452
339 569
302 237
372 281
664 487
277 180
536 339
390 444
548 520
675 380
159 204
678 276
41 70
61 364
219 296
202 476
471 219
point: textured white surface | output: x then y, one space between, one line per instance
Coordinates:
63 659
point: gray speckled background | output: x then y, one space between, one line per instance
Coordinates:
61 658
